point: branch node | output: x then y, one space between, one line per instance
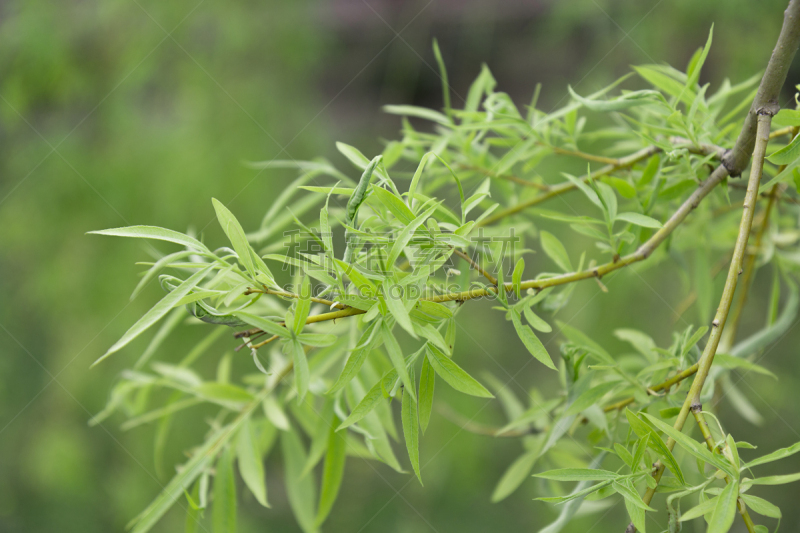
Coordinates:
729 166
696 407
715 323
770 109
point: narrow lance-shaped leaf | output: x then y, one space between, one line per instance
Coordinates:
639 220
578 474
531 341
443 75
555 251
725 510
301 373
156 233
411 428
332 472
358 355
235 234
775 456
513 477
693 447
516 276
251 467
223 514
299 489
157 312
427 382
656 443
303 305
398 361
264 324
454 375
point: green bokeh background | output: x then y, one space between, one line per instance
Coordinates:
123 112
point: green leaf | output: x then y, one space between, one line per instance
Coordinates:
656 443
786 155
454 375
303 305
693 447
405 236
369 402
637 515
535 321
417 175
590 397
761 506
419 112
775 480
516 276
513 477
264 324
156 233
357 356
699 510
443 75
236 235
318 340
157 312
199 461
787 117
427 381
630 494
725 510
223 392
411 429
555 251
531 341
728 361
640 220
775 456
624 454
581 339
575 499
251 467
398 361
360 193
396 306
301 373
394 204
299 489
332 472
361 282
694 72
193 513
626 101
578 474
223 516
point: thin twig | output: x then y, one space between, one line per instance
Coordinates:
643 252
618 164
474 265
707 359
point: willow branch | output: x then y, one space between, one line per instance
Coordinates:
617 164
750 263
717 325
769 90
664 385
643 252
475 266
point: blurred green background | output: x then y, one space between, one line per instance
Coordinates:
128 112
